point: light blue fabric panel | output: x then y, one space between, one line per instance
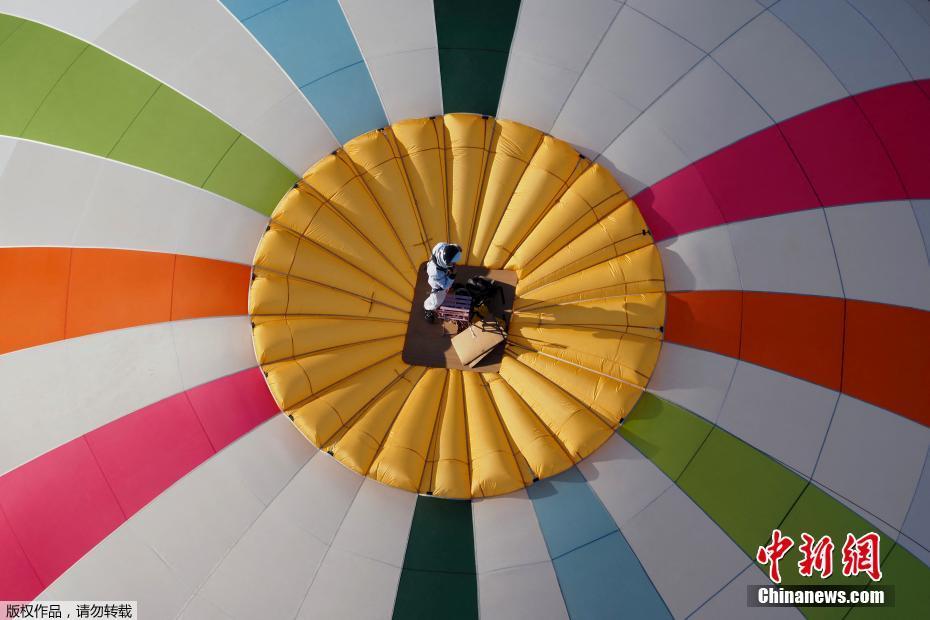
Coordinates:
313 43
569 513
605 580
347 100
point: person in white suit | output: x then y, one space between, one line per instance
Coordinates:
440 272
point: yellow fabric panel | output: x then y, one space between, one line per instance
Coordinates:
294 380
642 265
278 338
512 147
297 209
591 197
468 140
311 261
403 454
337 180
361 439
630 351
618 233
276 250
332 290
646 310
383 174
451 475
494 469
332 233
421 146
554 166
612 400
578 428
322 417
273 294
540 448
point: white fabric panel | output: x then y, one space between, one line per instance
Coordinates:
873 458
302 500
778 68
695 379
142 360
706 23
733 597
687 556
623 479
700 260
408 83
74 18
123 563
195 523
540 74
903 28
377 525
787 253
350 586
706 111
634 64
785 417
922 8
398 41
197 340
212 59
267 573
272 455
507 532
521 593
853 50
534 93
881 253
642 155
200 608
104 203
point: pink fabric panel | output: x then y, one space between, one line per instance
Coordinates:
232 406
145 452
59 506
901 116
842 155
757 177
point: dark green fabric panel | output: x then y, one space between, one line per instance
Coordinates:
474 44
664 432
59 90
439 577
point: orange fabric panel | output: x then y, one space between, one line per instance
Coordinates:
205 287
886 358
799 335
33 296
112 289
705 320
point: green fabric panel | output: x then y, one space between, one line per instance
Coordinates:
818 514
176 137
743 490
474 43
32 59
911 581
8 25
92 104
59 90
667 434
232 177
438 578
436 595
